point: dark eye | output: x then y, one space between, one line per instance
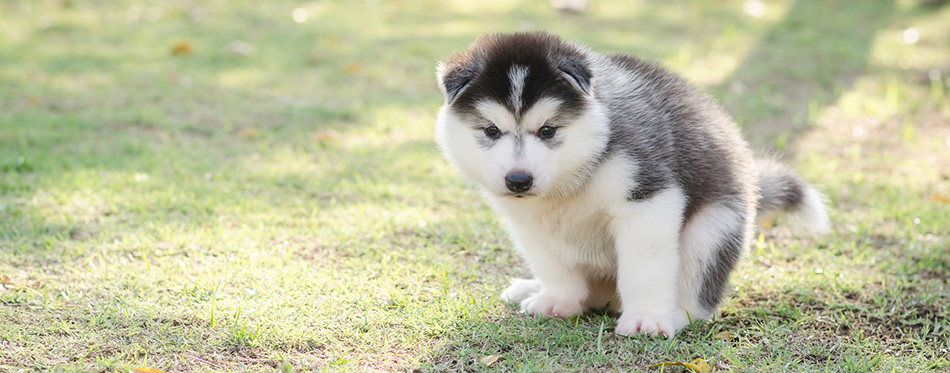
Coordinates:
546 132
492 131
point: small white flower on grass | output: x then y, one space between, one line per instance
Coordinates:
139 178
754 8
858 132
910 36
300 15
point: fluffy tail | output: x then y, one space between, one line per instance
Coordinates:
783 192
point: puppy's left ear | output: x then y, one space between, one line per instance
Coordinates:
574 69
453 79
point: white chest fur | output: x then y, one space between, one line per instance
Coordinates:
575 229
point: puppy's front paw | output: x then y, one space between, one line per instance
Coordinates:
521 289
548 306
631 324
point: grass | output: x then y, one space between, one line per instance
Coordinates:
214 186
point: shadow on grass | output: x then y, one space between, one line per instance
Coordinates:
802 65
783 329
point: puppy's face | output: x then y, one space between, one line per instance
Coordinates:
519 119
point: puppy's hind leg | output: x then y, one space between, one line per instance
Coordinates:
648 263
711 243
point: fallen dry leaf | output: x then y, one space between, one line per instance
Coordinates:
182 48
5 281
941 199
249 133
314 58
723 335
327 135
146 370
353 67
490 359
697 366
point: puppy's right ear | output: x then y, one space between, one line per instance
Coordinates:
453 79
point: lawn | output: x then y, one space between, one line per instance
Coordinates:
252 186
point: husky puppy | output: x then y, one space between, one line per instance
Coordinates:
620 183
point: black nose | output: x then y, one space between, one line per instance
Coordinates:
518 181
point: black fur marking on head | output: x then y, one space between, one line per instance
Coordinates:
555 69
723 261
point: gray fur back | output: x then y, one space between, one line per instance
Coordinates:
677 135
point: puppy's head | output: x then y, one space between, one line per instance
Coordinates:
519 118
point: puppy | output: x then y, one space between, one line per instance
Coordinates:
620 183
